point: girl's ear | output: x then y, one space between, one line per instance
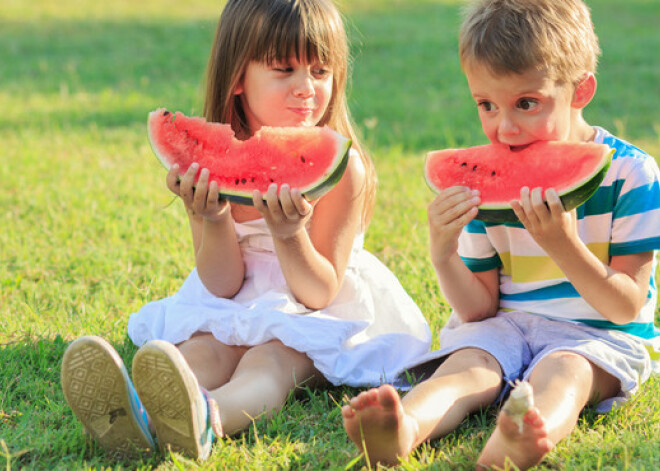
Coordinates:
584 91
239 88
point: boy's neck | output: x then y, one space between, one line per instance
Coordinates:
581 131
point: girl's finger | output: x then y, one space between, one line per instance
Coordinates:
187 182
172 179
258 202
286 202
273 202
199 198
212 195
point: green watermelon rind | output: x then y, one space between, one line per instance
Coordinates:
571 198
312 192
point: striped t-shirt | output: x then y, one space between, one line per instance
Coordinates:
622 217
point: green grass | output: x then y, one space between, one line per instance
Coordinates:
91 232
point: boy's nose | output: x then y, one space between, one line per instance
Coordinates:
507 126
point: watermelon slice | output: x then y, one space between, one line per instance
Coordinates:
312 159
573 169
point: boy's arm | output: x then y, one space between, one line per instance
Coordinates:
617 290
472 295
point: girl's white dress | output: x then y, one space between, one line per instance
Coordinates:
369 333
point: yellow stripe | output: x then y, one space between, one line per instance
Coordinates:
524 269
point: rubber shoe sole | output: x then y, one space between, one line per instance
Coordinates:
98 390
171 395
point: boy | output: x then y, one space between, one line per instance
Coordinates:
564 300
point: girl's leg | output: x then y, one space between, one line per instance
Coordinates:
564 383
212 361
387 428
261 382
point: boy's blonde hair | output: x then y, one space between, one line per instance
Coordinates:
270 31
518 35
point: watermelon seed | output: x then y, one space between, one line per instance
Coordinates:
236 182
492 174
464 164
243 181
165 113
196 141
302 158
252 180
474 168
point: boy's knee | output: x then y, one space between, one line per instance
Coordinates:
477 358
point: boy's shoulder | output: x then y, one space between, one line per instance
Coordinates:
622 147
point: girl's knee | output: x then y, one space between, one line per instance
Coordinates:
276 357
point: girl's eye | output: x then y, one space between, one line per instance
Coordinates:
321 71
527 104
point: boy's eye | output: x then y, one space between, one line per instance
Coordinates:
527 104
485 105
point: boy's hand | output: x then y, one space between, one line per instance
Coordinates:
201 198
546 221
285 214
448 213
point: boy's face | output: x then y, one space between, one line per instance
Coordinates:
519 109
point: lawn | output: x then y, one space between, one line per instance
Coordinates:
91 233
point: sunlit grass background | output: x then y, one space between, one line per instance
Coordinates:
90 232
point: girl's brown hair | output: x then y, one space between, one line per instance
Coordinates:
270 31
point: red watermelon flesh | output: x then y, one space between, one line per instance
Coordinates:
311 159
573 169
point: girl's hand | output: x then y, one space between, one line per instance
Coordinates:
448 213
546 221
285 215
201 198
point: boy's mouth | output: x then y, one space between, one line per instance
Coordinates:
518 148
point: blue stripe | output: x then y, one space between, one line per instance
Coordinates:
638 200
482 264
561 290
645 331
602 201
475 227
635 246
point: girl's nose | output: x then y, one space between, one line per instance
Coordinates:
304 86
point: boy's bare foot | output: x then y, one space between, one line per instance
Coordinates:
524 449
378 425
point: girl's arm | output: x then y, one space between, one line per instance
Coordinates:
313 262
617 290
473 296
217 253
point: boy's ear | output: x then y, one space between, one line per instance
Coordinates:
584 91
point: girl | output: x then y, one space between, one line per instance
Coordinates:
283 292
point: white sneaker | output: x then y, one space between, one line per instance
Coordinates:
99 391
179 410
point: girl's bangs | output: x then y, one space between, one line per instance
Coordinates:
307 36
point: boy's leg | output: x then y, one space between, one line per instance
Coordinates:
387 428
564 383
261 383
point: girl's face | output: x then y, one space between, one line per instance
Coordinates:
287 93
519 109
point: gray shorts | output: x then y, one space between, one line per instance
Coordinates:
519 340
